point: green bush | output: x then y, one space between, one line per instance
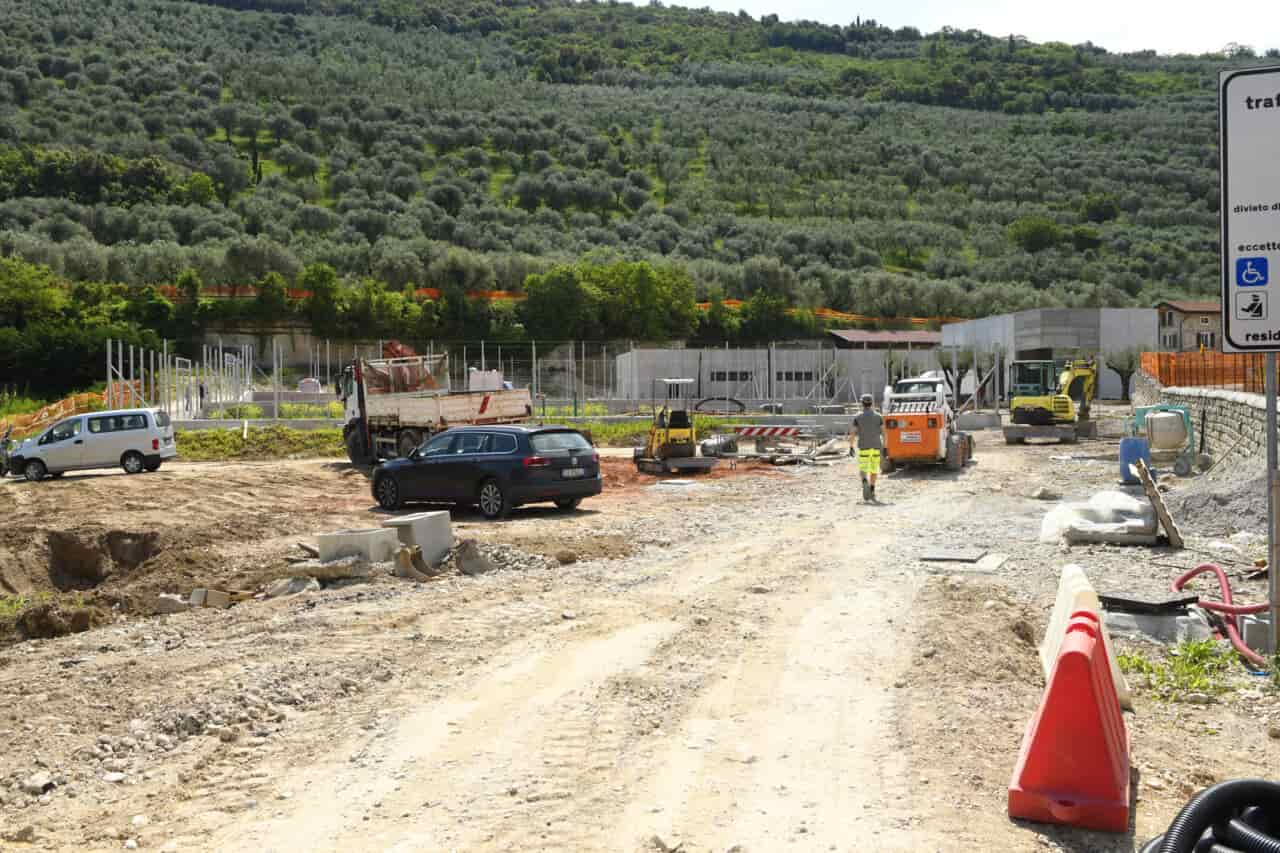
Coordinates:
237 412
273 442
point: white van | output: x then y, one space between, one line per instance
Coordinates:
135 439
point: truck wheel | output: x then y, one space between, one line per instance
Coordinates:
356 450
407 442
887 465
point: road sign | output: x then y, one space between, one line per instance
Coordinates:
1249 116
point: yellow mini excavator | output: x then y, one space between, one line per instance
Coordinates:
672 444
1052 400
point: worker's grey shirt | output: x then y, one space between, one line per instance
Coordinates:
868 426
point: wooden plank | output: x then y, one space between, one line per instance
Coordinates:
1157 500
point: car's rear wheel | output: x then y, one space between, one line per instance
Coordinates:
35 470
133 463
492 499
568 503
387 492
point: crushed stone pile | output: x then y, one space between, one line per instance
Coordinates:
1224 502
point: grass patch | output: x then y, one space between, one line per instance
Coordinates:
274 442
238 412
1193 667
625 434
10 406
295 411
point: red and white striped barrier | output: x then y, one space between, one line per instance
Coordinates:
767 431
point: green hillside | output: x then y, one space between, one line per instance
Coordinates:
465 146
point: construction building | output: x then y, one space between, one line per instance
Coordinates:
811 373
1053 333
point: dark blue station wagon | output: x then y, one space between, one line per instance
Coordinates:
496 468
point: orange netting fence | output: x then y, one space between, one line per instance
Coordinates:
1231 371
90 401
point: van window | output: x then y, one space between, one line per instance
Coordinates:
133 422
162 420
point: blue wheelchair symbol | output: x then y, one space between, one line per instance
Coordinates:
1251 272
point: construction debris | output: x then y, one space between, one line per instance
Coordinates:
409 564
292 586
1106 517
310 550
470 560
1157 501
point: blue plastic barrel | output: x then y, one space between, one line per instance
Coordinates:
1131 450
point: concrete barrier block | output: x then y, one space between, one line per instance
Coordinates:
428 531
377 545
217 599
197 597
1076 593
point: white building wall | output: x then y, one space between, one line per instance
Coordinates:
816 374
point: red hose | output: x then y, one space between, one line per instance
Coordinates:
1227 606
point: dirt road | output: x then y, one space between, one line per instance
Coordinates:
756 662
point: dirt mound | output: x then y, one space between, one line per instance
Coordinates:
57 619
81 560
74 562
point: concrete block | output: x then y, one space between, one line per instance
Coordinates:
1170 627
217 599
197 597
1255 630
377 545
428 531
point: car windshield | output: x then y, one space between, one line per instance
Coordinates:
915 387
550 442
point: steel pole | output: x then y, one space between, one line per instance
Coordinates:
1273 504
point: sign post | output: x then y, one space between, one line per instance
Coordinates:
1249 124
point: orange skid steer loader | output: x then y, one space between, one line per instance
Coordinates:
920 427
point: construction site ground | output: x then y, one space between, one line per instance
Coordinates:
753 661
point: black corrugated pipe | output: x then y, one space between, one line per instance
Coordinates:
1230 817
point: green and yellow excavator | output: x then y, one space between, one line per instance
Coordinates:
1051 399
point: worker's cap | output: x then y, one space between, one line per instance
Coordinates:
866 400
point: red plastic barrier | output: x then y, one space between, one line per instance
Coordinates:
1074 764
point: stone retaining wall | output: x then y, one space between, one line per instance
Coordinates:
1234 422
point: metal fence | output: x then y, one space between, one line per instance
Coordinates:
1228 371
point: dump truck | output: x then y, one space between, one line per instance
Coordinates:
920 426
392 405
1051 399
